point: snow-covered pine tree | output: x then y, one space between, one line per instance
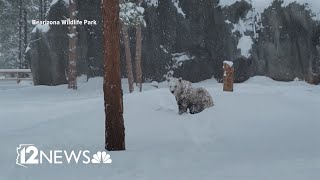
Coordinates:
131 15
126 41
9 32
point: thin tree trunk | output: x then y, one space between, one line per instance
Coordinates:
45 5
113 102
40 10
25 40
138 57
128 56
138 53
72 77
20 35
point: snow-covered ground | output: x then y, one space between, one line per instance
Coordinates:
265 130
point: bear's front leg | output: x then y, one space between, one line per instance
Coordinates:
182 107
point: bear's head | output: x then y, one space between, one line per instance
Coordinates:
175 85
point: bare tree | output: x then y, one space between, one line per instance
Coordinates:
113 100
138 53
72 76
126 40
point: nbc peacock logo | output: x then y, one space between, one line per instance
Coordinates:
101 157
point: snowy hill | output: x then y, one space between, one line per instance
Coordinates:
264 130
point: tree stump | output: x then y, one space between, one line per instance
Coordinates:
228 76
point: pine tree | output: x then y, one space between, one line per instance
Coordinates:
138 51
113 100
10 32
126 40
131 14
72 76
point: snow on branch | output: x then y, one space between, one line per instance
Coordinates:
131 14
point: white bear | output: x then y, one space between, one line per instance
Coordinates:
187 97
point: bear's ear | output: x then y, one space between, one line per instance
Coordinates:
180 79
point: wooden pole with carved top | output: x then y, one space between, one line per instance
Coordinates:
228 76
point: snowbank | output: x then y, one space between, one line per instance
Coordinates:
264 130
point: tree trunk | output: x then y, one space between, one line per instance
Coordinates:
40 10
128 56
113 102
138 56
72 77
138 52
20 35
45 5
25 21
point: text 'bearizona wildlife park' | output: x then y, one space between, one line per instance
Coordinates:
65 22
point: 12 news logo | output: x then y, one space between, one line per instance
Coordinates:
29 154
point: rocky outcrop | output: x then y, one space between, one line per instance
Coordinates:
48 54
48 50
286 47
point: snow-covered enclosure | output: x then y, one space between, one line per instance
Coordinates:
264 130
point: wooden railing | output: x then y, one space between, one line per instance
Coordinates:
17 72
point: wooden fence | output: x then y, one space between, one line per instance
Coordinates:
17 73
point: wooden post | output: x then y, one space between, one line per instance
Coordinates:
228 76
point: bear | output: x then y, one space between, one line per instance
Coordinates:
188 97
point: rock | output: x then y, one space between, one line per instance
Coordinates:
284 49
48 55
